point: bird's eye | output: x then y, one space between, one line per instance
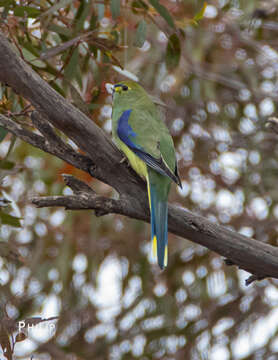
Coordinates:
125 88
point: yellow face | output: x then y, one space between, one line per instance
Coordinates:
126 92
119 88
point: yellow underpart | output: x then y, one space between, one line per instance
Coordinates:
138 165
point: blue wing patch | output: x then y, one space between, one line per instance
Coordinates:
125 130
126 133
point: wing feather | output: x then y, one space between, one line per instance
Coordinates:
128 136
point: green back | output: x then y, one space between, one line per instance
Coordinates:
152 133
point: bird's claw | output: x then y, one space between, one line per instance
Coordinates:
123 160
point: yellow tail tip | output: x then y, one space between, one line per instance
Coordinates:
154 251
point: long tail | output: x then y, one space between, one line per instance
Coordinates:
159 222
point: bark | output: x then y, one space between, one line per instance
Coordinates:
102 160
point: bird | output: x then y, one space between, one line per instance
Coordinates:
140 133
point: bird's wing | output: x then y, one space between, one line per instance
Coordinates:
150 140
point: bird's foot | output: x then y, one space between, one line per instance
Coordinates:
123 160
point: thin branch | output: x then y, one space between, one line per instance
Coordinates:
49 143
77 185
100 204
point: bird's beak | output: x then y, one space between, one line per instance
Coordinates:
109 88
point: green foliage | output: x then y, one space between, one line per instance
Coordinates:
7 219
3 133
115 8
163 12
173 52
200 14
26 11
141 33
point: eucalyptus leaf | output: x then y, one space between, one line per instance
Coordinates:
173 52
163 12
141 33
32 59
115 6
29 11
6 165
101 9
200 14
9 219
71 68
61 30
6 3
3 133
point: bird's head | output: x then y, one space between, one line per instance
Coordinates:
127 91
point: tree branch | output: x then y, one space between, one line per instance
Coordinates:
50 142
65 117
256 257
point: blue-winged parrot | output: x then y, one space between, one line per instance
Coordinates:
145 140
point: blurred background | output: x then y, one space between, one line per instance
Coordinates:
214 68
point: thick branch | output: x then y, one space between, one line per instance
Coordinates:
258 258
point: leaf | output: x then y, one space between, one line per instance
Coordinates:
3 133
115 6
193 21
163 12
61 30
71 68
32 59
100 10
6 3
200 14
138 6
82 14
9 219
141 32
173 52
6 165
29 11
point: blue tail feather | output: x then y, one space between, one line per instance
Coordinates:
159 224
